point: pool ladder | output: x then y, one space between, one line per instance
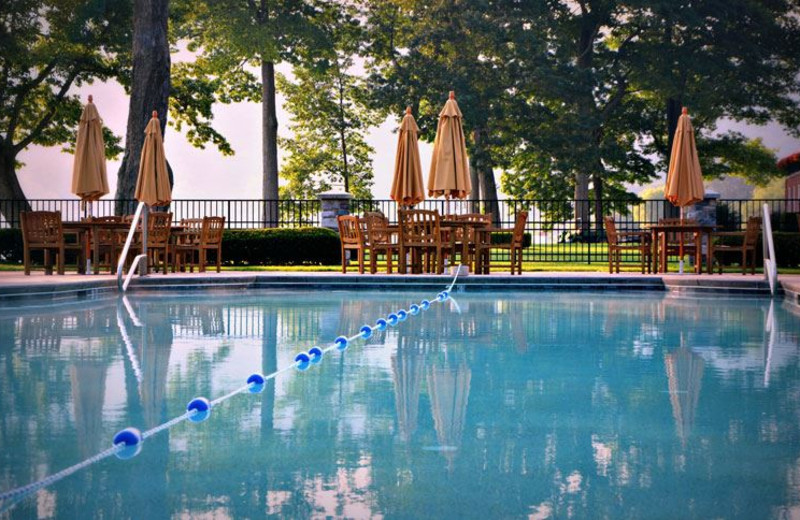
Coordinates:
770 266
138 260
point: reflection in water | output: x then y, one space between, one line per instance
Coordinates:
685 375
556 405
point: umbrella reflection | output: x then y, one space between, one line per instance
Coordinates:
449 392
88 382
685 376
407 371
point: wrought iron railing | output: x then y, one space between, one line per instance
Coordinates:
555 235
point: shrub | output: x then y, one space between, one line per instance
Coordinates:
787 250
504 237
11 246
280 246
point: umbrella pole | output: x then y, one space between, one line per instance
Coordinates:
680 247
145 268
89 206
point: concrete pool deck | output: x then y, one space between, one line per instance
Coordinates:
16 288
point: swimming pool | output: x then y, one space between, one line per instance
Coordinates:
517 404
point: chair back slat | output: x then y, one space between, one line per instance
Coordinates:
158 228
211 232
40 228
611 231
420 228
751 232
519 228
350 230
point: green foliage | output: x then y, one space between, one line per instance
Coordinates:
47 50
279 246
775 189
11 246
197 86
329 123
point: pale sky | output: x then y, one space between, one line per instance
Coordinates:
207 174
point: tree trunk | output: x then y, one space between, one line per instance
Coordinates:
582 202
482 173
150 86
673 114
269 122
343 138
597 184
11 194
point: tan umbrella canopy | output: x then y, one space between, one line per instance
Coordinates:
407 187
89 178
684 178
449 174
152 185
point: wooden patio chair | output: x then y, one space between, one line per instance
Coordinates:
109 243
618 243
514 247
379 241
424 240
352 239
470 236
747 248
195 243
159 247
42 230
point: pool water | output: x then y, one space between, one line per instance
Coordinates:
494 405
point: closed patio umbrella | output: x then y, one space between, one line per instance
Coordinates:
152 184
684 178
407 187
89 178
449 173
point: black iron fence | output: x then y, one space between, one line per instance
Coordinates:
556 234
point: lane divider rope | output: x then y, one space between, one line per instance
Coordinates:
127 443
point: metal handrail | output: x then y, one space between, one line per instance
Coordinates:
770 266
136 261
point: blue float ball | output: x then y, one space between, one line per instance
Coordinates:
201 408
446 294
302 361
341 342
131 439
414 309
256 383
402 315
442 296
366 331
380 324
392 319
316 354
425 304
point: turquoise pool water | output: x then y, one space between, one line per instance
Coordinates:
509 405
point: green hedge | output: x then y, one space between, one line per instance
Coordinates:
11 246
505 238
301 246
787 249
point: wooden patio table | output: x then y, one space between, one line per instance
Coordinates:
698 230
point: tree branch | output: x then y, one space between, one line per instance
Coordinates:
48 115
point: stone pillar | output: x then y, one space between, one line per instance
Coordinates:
705 212
334 203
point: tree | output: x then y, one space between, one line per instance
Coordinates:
591 105
46 50
149 88
329 119
421 50
230 34
328 126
